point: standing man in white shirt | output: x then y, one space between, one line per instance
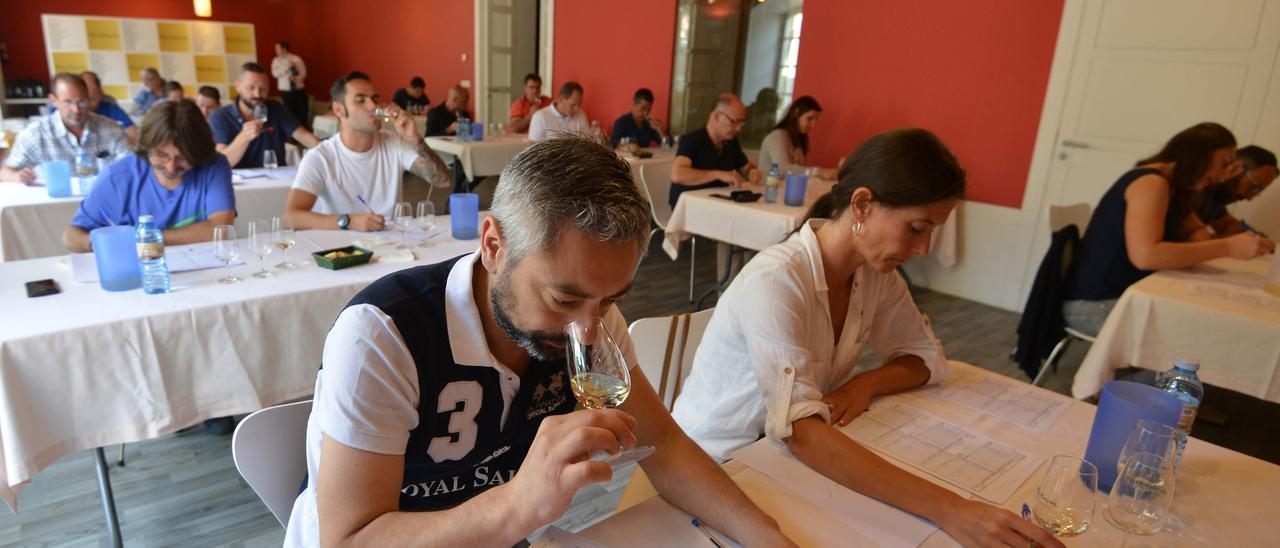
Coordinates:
565 114
291 79
443 414
352 179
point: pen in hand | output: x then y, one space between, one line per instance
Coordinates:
364 203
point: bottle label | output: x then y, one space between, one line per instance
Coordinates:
1187 417
150 250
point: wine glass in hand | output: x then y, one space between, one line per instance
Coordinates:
261 240
224 249
260 112
599 377
284 239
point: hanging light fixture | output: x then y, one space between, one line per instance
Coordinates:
204 8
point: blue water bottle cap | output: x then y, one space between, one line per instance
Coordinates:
1188 364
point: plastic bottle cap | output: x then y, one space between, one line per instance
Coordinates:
1189 365
146 219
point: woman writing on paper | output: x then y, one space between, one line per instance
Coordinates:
778 356
788 144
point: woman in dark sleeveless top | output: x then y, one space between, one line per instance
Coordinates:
1145 222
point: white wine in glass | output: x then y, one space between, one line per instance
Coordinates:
1142 495
1064 500
282 227
599 377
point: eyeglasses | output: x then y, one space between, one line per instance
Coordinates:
81 104
161 157
735 122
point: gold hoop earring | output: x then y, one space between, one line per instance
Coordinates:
857 228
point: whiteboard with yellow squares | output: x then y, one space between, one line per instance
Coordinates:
194 53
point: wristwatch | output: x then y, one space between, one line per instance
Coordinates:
343 221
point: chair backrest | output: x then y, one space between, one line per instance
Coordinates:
665 347
655 181
1074 214
270 451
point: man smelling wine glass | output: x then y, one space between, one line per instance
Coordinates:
438 381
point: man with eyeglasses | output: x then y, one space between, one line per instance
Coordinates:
711 156
1259 172
175 176
63 134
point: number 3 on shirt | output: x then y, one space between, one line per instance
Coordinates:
462 421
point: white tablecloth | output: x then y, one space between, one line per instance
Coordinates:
1222 498
32 223
758 225
1214 312
89 368
327 125
482 158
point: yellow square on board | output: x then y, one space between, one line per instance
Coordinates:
211 68
104 34
239 38
74 62
119 92
174 36
139 61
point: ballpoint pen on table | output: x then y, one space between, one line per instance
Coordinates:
697 523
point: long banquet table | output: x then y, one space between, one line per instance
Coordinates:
1221 497
89 368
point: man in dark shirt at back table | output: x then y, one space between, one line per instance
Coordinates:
442 120
412 99
643 130
241 136
711 156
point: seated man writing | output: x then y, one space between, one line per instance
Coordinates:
64 134
443 415
353 178
176 177
711 156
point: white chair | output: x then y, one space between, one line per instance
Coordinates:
665 347
658 185
270 451
1060 217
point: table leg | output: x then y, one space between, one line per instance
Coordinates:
723 282
108 501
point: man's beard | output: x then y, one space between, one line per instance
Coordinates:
538 345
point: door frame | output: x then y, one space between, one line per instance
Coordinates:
480 57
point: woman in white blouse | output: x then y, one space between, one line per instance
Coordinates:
778 356
788 144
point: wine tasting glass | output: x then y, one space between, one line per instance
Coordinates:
261 240
1141 497
599 378
260 112
282 228
402 220
624 144
1149 436
426 219
224 249
1065 499
269 159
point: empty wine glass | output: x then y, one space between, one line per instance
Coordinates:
282 228
426 219
1141 497
1065 498
402 220
1149 436
261 240
624 144
224 249
269 159
599 377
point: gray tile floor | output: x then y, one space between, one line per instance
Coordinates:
183 489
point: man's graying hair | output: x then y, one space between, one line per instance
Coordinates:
570 181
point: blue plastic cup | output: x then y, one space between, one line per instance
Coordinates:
57 178
797 184
464 215
477 131
1120 407
116 252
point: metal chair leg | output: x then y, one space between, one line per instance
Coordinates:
120 456
1052 361
693 257
108 500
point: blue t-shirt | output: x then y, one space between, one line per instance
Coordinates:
144 99
110 109
625 126
698 147
227 123
127 189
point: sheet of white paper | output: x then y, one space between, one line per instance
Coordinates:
84 267
883 524
243 174
1254 298
555 537
950 452
1024 405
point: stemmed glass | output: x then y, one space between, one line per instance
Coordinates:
599 378
426 219
402 220
224 249
1149 436
269 159
1065 499
624 144
282 228
260 112
261 240
1141 496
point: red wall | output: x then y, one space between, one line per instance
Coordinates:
613 48
390 40
973 72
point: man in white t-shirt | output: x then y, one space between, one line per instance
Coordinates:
564 116
353 178
443 414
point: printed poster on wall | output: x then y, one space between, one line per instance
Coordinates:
193 53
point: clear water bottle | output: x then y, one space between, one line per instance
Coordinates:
771 184
1181 381
86 171
155 271
464 129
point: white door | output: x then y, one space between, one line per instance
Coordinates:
507 34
